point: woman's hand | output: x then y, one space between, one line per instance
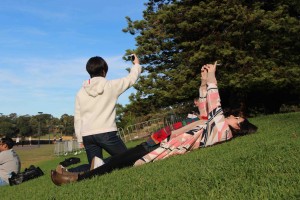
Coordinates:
203 72
211 69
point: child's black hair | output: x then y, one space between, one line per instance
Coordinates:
96 66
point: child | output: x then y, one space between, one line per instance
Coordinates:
95 108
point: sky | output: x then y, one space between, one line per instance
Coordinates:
44 47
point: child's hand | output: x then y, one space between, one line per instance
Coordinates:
136 60
81 146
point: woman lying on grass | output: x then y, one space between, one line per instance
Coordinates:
212 128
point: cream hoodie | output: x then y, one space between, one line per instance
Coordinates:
95 103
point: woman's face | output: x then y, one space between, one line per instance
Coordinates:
234 122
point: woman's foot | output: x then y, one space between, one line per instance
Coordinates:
59 179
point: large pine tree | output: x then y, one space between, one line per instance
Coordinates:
257 42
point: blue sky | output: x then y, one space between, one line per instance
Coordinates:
44 46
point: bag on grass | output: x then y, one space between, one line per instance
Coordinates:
31 173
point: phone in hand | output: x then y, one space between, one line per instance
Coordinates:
132 57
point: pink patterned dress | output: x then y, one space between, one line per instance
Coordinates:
209 130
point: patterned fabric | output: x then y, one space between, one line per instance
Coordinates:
214 130
160 135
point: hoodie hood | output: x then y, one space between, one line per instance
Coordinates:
94 86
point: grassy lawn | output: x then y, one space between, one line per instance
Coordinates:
264 165
33 155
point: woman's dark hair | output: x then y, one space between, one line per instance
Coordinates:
234 112
8 141
245 128
96 66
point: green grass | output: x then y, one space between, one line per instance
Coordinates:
35 156
264 165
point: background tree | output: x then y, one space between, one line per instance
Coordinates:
7 129
28 125
120 115
68 124
257 42
23 124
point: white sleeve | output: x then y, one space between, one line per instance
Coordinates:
77 121
120 85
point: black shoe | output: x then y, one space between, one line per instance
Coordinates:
31 173
70 161
16 179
